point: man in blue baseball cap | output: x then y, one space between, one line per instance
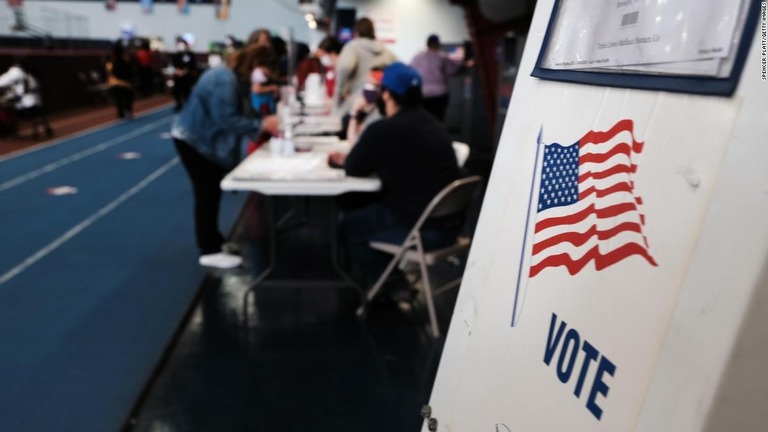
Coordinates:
412 153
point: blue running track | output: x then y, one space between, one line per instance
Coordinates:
93 284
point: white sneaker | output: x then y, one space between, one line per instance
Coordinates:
221 260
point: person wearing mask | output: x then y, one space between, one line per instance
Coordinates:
435 68
323 63
145 62
308 64
328 53
24 91
215 59
412 153
364 111
231 44
120 76
208 134
355 60
185 73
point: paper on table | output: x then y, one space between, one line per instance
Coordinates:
315 140
321 120
298 167
597 33
307 129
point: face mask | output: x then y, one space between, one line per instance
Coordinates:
370 93
326 61
214 60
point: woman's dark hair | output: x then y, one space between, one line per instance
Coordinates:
364 28
243 61
302 52
411 98
279 46
330 45
256 34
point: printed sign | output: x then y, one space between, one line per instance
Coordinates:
586 210
582 248
619 255
591 33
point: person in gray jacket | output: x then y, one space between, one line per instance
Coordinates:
355 60
208 134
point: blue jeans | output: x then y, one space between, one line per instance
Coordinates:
376 222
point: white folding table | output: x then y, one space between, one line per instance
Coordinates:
300 174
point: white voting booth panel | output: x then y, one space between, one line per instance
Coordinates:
638 297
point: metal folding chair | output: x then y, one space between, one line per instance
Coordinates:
455 198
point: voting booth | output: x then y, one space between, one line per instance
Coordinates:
618 278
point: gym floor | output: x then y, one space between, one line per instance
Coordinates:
108 323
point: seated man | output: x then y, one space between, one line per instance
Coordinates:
26 97
411 152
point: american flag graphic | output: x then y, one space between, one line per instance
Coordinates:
587 208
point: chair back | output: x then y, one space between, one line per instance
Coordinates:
455 198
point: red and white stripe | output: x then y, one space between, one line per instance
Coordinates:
606 225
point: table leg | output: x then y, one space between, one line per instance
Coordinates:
271 229
335 253
284 225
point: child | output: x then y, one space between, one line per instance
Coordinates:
263 95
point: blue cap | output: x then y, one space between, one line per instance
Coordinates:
399 78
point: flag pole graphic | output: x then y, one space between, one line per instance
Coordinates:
518 298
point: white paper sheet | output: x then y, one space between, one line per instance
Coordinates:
599 33
308 166
708 67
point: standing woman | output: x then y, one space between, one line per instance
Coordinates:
208 134
120 76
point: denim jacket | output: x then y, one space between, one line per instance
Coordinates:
212 120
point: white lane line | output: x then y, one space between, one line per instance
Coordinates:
80 155
46 144
77 229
